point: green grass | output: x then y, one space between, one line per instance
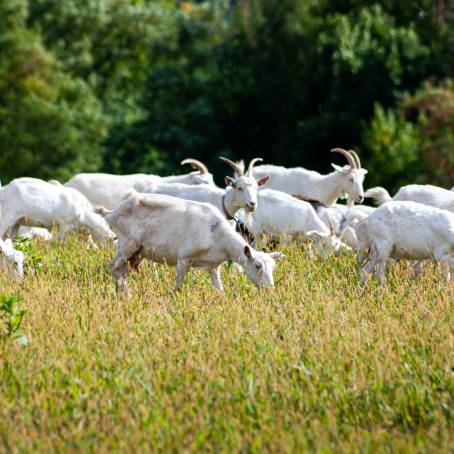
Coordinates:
313 365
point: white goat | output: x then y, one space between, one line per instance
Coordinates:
341 219
282 217
183 233
12 257
34 232
405 230
426 194
33 202
240 193
110 190
323 188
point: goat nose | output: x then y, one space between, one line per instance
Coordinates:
251 206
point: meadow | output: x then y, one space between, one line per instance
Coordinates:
314 365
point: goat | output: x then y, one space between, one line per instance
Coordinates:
9 255
426 194
33 202
324 188
107 190
282 217
184 234
341 219
240 193
404 230
34 232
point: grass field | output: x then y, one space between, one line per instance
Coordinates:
313 365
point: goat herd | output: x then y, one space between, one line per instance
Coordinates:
187 221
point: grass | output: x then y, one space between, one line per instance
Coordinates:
314 365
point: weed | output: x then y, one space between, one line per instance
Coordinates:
33 260
11 316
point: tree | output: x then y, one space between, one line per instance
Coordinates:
413 143
51 125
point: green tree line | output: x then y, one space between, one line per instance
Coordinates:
135 85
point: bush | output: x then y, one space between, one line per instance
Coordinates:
413 143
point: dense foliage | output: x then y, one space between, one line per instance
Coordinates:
126 86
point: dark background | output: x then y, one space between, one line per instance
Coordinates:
137 86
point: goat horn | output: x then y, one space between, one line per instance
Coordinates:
232 164
347 155
356 157
200 166
251 166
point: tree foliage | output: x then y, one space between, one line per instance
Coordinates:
51 124
129 86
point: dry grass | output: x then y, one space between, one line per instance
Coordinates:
313 365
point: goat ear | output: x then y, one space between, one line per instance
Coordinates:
338 168
247 252
263 180
229 181
276 255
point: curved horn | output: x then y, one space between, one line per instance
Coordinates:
356 158
347 155
251 166
235 166
197 165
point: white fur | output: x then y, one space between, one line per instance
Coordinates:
282 217
427 194
110 190
182 233
312 185
342 220
34 232
405 230
241 193
36 203
12 257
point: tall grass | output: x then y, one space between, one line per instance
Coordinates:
313 365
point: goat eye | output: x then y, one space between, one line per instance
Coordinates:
258 266
240 189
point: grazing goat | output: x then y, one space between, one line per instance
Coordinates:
107 190
312 185
282 217
33 202
9 256
426 194
240 193
405 230
182 233
341 219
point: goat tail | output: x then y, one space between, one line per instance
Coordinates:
379 194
